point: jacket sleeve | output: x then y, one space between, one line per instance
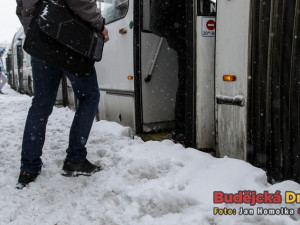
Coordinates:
19 9
88 11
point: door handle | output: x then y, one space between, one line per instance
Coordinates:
238 100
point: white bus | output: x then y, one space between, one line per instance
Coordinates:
242 72
19 66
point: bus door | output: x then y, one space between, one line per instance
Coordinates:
116 69
232 76
167 69
205 112
157 79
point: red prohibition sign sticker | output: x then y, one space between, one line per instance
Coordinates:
211 25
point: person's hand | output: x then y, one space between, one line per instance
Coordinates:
105 34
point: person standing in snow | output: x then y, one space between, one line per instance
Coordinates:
3 80
168 20
46 79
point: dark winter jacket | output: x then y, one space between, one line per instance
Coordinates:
167 17
86 9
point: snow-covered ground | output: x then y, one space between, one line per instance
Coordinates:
143 183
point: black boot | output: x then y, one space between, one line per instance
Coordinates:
25 178
74 169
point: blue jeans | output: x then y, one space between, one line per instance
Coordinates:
46 79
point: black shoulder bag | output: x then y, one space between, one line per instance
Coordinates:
61 38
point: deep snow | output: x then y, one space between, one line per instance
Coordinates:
143 183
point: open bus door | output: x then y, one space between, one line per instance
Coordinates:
157 74
156 69
138 73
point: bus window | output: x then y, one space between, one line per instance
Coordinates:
113 10
146 15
